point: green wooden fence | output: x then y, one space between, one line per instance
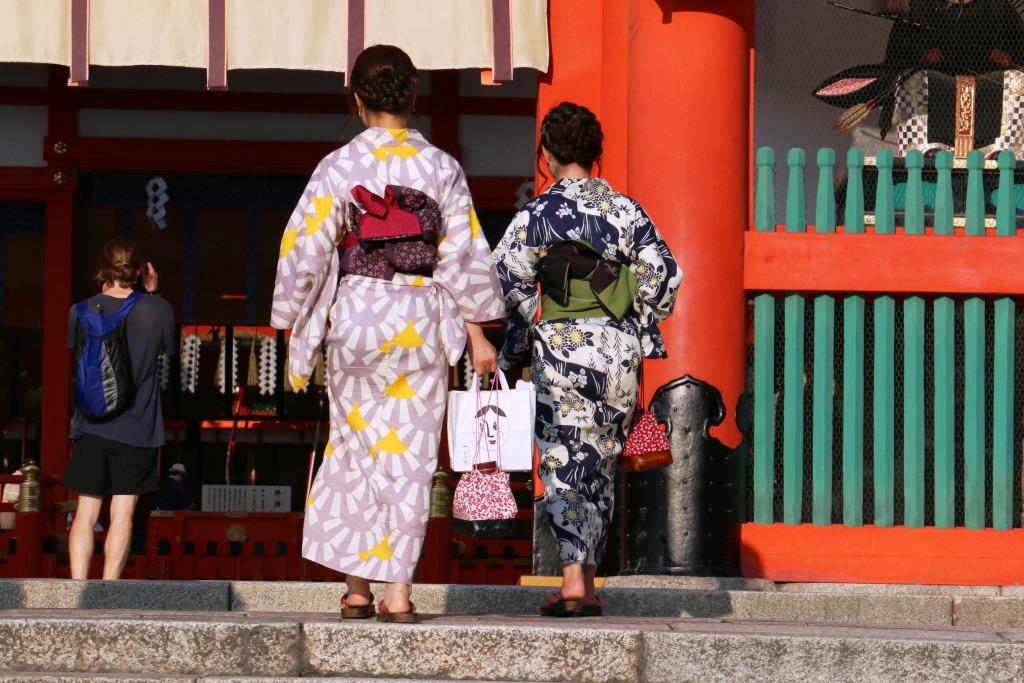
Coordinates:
971 420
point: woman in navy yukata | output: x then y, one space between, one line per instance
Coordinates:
603 277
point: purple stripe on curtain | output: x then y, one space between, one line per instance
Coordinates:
501 25
356 35
79 43
217 50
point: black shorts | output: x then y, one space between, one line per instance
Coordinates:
100 466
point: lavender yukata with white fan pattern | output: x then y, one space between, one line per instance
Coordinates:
389 344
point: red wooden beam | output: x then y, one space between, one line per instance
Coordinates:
21 95
233 101
143 154
27 182
869 554
896 264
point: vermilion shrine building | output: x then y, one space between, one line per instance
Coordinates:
193 126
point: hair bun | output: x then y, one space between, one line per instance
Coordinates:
572 134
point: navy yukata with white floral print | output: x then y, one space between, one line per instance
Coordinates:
586 371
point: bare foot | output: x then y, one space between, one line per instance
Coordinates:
358 592
396 597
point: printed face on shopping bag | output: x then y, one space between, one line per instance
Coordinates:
492 427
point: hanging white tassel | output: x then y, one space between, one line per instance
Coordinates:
268 366
163 371
467 371
234 364
190 347
220 368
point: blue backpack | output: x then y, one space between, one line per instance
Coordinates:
104 385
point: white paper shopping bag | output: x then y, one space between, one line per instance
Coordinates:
493 425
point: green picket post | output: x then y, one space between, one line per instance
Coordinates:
1003 369
913 362
824 353
764 353
974 362
793 370
885 349
944 428
853 358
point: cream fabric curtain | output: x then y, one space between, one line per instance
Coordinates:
287 34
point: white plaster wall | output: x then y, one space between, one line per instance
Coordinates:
799 44
497 145
22 129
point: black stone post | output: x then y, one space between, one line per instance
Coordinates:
684 519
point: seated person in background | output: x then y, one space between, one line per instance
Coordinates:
173 494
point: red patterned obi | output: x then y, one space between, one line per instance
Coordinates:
396 233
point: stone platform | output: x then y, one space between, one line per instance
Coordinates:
246 646
664 630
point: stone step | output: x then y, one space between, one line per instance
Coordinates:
136 646
43 677
810 603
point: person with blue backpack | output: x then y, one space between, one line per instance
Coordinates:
117 425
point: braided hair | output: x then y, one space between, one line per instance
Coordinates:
384 77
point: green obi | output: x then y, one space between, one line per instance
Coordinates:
577 283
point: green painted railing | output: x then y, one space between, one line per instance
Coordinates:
898 368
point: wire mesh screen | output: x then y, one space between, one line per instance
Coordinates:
886 73
867 484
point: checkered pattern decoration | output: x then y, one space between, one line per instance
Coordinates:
912 114
912 117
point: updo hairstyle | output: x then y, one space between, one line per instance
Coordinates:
119 263
384 77
572 134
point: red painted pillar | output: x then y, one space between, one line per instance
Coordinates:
57 262
614 112
576 57
58 251
688 152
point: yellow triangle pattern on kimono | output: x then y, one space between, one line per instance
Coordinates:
408 338
297 381
356 420
310 500
474 223
391 443
288 241
400 389
403 151
321 210
381 551
329 449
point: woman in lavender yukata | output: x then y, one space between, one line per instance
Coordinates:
392 324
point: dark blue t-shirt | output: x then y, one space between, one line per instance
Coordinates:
150 330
